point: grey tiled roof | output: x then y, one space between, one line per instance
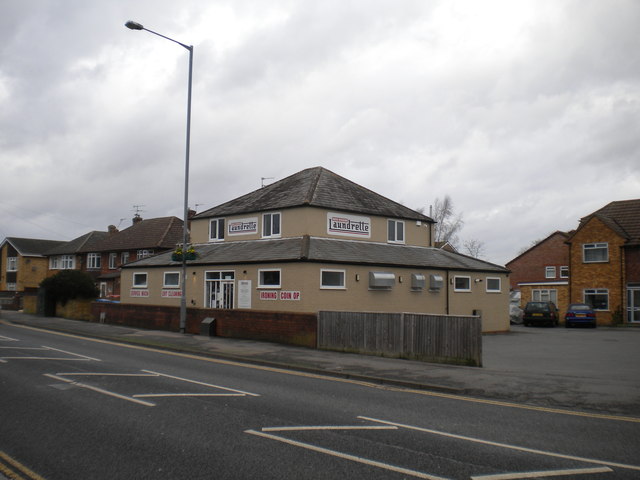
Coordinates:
163 232
326 250
623 217
315 187
84 243
33 247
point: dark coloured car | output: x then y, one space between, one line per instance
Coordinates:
540 313
580 314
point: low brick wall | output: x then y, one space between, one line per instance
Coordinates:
279 327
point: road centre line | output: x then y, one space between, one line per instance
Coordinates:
196 382
328 427
329 377
8 339
100 390
152 395
505 445
346 456
71 353
541 474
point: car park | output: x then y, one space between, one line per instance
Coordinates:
540 313
580 314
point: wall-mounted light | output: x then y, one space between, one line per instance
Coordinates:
357 277
478 280
400 278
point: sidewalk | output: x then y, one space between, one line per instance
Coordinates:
511 373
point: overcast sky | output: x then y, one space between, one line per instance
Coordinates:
526 113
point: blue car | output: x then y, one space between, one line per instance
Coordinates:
580 314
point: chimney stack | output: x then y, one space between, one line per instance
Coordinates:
136 219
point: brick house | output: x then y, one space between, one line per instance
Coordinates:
541 273
101 254
23 265
605 262
601 261
317 241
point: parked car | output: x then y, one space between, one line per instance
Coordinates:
580 314
540 313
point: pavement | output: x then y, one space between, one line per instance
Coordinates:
596 371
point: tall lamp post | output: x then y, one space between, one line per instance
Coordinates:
185 231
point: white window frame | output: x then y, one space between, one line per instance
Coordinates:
270 225
592 247
54 262
216 229
12 264
395 231
550 272
94 261
596 291
139 274
144 253
261 273
170 285
12 286
343 284
461 277
564 271
113 259
544 295
494 290
124 258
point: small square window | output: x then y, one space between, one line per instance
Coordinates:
564 272
595 252
171 279
139 280
216 230
395 231
271 225
462 284
493 284
332 279
269 279
549 272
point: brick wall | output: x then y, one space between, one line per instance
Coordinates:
606 275
279 327
632 264
530 266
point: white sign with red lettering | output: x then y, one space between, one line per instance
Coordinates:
171 293
139 293
348 225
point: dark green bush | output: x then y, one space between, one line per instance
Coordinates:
69 284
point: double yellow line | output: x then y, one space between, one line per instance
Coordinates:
14 470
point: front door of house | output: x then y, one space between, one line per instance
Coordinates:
633 304
219 289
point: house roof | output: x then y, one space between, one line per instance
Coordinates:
623 217
314 249
32 247
163 232
315 187
85 243
565 235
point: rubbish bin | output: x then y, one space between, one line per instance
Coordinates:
208 327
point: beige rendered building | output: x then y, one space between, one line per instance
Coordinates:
317 241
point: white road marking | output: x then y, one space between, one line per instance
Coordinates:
149 395
77 356
505 445
196 382
8 339
353 458
100 390
547 473
327 427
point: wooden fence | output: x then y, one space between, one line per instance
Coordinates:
429 338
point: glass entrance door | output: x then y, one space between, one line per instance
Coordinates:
219 289
633 304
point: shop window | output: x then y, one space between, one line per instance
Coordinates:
332 279
139 280
269 279
171 280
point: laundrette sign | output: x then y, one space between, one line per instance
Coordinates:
243 226
348 225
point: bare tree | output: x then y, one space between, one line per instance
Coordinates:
473 248
448 223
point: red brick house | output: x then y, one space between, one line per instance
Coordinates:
541 273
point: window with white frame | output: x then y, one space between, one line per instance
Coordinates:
140 280
62 262
216 230
54 262
271 225
493 284
171 280
564 271
269 278
395 231
124 258
94 261
144 253
332 279
595 252
461 284
113 258
12 287
12 264
549 272
545 295
598 298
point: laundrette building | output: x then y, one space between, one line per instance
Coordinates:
318 241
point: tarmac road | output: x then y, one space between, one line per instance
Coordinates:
595 370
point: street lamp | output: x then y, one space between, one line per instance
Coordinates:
185 233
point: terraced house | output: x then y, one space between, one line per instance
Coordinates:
317 241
